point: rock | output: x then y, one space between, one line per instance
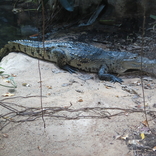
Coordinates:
129 8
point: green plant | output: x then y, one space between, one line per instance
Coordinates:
9 78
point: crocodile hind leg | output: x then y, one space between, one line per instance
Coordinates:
61 60
108 77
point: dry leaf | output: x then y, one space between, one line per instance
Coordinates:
39 148
5 135
126 113
80 100
13 75
49 87
7 94
145 123
124 137
48 93
142 136
118 137
26 84
154 148
7 80
107 87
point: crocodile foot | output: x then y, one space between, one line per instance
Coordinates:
116 79
111 78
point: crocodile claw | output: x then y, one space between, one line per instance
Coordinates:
69 69
116 79
111 78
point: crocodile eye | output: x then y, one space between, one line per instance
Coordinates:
134 57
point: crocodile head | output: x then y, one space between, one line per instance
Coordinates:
133 61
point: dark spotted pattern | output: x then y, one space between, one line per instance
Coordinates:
82 56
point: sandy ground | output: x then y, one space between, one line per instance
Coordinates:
82 137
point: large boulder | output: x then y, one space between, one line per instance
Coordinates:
124 8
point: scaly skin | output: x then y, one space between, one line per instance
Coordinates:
72 55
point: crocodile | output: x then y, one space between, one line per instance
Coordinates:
71 56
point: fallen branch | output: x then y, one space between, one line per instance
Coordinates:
17 113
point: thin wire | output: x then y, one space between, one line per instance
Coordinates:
142 83
39 69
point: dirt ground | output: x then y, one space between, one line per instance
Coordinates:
70 133
83 115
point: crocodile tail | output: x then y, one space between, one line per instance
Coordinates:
10 47
4 51
16 46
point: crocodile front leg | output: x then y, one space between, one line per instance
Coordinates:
61 60
108 77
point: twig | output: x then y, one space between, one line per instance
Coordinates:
21 97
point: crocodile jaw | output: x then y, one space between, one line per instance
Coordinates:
140 63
